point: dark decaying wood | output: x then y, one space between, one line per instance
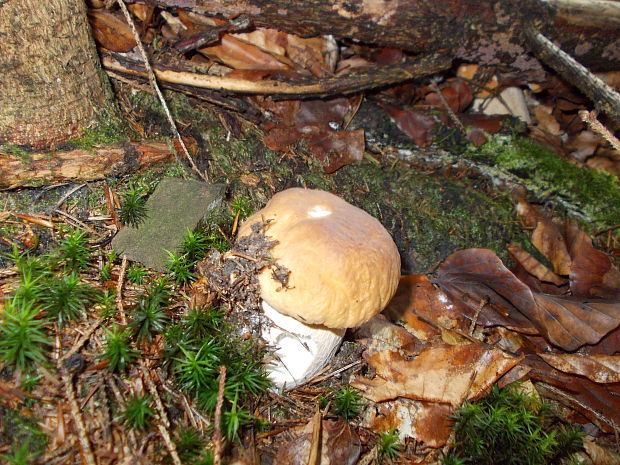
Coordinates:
83 165
481 31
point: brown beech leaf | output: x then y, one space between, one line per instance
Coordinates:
336 149
418 302
535 284
593 400
474 276
528 213
598 368
571 323
546 121
600 455
340 445
476 137
418 126
242 55
583 145
457 94
533 266
592 273
426 422
548 238
567 323
322 112
380 334
444 374
111 31
488 123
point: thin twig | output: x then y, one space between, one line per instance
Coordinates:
150 384
444 102
317 379
595 125
78 345
68 194
315 446
217 432
172 450
155 86
85 449
77 222
119 290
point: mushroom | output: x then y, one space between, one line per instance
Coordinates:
344 269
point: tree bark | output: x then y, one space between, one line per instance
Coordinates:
30 169
482 31
51 85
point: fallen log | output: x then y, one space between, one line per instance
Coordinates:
28 169
488 32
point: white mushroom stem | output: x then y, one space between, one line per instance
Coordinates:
300 350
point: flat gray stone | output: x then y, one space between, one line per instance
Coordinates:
176 206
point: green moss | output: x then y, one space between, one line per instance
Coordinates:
17 430
593 193
17 151
107 129
430 216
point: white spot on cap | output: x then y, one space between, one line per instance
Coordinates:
318 211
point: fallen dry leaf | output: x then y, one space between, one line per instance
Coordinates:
598 368
474 276
456 92
592 273
546 121
340 445
582 145
241 55
334 149
380 334
477 274
600 455
426 422
419 304
111 31
418 126
548 238
533 266
444 374
528 213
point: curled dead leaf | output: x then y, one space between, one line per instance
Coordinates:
598 368
565 322
533 266
444 374
111 31
340 445
592 273
548 238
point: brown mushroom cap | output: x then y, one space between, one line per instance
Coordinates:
344 265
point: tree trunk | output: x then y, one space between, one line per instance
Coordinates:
51 85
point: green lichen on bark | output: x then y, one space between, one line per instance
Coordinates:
593 195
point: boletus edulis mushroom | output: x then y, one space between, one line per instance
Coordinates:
344 269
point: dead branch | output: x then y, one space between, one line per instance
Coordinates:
80 165
600 93
307 87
